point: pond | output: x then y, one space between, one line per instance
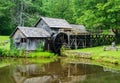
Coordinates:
55 71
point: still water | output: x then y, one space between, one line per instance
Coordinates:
58 71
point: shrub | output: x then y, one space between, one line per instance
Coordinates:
1 51
4 52
16 52
42 54
40 47
63 48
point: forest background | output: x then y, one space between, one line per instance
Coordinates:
93 14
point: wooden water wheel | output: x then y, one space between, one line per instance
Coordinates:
57 40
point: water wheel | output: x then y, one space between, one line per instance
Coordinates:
57 40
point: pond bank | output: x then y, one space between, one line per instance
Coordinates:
74 54
25 54
64 70
96 54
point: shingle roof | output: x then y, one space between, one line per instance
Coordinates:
80 28
55 22
33 32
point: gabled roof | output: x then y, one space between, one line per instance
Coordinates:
79 28
82 27
55 22
32 32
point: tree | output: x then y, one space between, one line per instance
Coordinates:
5 19
59 9
101 14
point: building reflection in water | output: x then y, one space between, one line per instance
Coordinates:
54 72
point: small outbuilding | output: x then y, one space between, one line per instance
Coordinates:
29 38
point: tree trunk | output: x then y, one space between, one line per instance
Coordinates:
117 35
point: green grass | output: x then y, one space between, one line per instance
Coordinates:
42 54
2 45
3 38
98 54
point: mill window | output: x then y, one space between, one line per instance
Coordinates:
23 40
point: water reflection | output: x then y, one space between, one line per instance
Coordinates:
57 72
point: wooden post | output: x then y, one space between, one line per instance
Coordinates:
75 42
69 39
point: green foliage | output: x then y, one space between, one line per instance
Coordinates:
10 50
11 44
105 32
102 14
4 7
4 52
5 20
62 50
40 47
14 51
41 54
4 47
0 51
17 53
91 13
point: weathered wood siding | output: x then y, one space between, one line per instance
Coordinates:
33 44
28 43
51 30
43 25
17 39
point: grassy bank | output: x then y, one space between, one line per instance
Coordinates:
22 53
7 61
4 38
98 54
41 54
6 52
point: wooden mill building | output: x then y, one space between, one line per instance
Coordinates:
29 38
51 32
53 25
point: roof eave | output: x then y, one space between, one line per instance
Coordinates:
38 37
13 32
61 27
38 22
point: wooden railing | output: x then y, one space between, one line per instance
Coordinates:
97 40
90 40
